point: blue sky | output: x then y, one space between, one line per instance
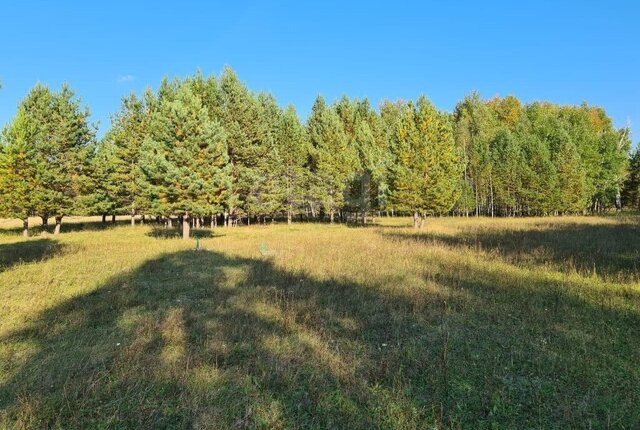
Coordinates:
561 51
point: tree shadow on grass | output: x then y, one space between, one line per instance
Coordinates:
27 251
203 339
67 227
174 233
609 250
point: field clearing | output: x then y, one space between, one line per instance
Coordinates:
467 323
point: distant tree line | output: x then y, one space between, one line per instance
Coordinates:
207 150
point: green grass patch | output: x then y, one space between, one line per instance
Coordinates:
467 323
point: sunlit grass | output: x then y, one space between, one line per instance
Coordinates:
520 323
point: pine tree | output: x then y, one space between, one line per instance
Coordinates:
407 173
53 136
184 160
442 162
243 120
102 197
29 132
265 196
333 159
293 149
129 128
367 137
65 155
17 169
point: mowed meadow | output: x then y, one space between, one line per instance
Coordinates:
466 323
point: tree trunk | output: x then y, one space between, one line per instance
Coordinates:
104 218
113 218
169 222
491 188
415 220
25 227
475 189
198 222
133 219
45 220
186 227
331 216
289 215
58 225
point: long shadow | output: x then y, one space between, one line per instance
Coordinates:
27 251
67 227
202 339
610 250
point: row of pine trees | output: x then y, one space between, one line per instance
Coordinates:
209 150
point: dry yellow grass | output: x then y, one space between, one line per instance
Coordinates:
466 323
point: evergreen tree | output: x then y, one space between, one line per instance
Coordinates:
365 131
17 169
48 149
102 197
426 173
293 149
64 156
333 159
243 121
407 173
184 160
124 140
442 162
490 157
265 195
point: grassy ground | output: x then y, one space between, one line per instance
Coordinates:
466 324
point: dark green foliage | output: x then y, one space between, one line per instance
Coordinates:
292 147
183 159
18 168
495 157
103 198
45 155
129 129
333 160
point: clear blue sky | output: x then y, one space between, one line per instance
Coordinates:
562 51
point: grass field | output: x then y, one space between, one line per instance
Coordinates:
468 323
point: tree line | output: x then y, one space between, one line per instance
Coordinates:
208 150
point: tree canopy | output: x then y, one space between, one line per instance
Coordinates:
208 147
